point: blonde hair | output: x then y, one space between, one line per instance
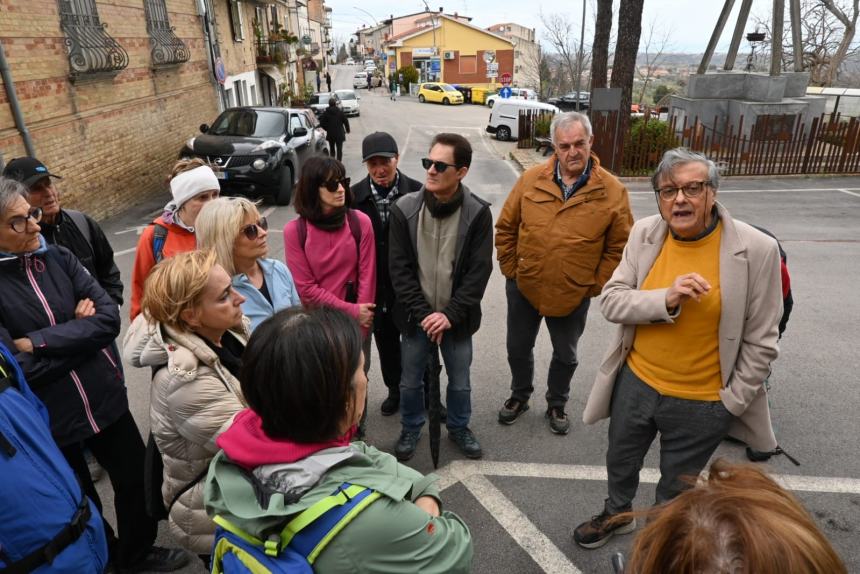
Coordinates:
737 520
186 164
218 226
175 285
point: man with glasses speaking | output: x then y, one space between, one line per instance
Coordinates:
697 300
558 239
440 259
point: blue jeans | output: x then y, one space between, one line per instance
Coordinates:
457 356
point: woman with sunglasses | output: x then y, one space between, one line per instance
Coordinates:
233 228
62 325
330 248
191 333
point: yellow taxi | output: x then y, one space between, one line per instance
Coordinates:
439 92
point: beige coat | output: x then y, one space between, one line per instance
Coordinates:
560 252
751 300
193 399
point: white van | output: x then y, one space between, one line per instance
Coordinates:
505 116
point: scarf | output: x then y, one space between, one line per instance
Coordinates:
441 210
331 221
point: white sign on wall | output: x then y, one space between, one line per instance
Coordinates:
422 52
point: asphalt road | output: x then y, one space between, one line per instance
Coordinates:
532 488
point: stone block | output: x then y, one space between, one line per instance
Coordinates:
796 84
761 88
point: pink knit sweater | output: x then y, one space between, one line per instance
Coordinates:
328 261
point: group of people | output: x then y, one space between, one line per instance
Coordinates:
259 367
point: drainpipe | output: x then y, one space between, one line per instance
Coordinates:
14 104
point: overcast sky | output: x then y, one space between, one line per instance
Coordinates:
688 22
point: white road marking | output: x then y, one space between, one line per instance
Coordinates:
472 474
137 229
124 251
850 192
519 527
268 211
460 470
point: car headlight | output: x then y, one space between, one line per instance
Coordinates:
190 144
266 145
259 164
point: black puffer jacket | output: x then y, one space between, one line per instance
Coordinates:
96 255
74 367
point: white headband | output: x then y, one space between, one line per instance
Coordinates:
193 182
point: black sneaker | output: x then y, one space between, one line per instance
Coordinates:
597 531
406 445
558 421
467 442
390 405
159 559
511 411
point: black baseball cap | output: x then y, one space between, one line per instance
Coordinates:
378 144
27 170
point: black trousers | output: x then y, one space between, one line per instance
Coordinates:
120 450
388 345
336 149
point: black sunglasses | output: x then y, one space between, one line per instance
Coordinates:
440 166
333 184
252 230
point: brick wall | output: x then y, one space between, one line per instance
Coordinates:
451 72
112 139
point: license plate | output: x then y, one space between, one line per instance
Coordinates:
221 174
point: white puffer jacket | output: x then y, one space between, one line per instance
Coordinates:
193 399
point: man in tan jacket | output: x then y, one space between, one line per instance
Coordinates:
558 239
697 298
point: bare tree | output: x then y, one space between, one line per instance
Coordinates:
561 35
538 61
656 45
827 36
600 49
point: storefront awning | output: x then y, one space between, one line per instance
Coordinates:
273 73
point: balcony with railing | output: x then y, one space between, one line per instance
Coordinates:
275 52
167 48
91 50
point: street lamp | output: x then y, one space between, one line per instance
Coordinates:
375 23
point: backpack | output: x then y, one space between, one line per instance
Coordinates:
48 524
355 228
158 240
787 298
80 221
295 549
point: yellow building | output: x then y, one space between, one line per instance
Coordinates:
450 50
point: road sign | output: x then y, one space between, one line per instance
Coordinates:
505 79
220 71
505 93
492 69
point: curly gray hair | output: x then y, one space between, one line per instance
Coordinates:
11 189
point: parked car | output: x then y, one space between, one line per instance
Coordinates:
359 81
369 62
260 151
505 117
516 94
349 102
349 62
569 101
319 102
439 92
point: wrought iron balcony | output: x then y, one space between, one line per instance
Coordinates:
167 48
91 50
272 52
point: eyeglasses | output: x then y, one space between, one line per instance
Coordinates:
252 230
439 166
333 184
19 224
691 190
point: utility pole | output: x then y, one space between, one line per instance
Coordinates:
433 26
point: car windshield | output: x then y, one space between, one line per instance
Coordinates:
346 94
359 76
449 88
249 123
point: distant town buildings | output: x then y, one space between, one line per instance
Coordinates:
526 53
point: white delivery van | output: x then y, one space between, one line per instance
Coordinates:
505 116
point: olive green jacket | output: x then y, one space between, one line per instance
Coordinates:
392 535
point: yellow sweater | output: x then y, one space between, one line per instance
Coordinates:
682 359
